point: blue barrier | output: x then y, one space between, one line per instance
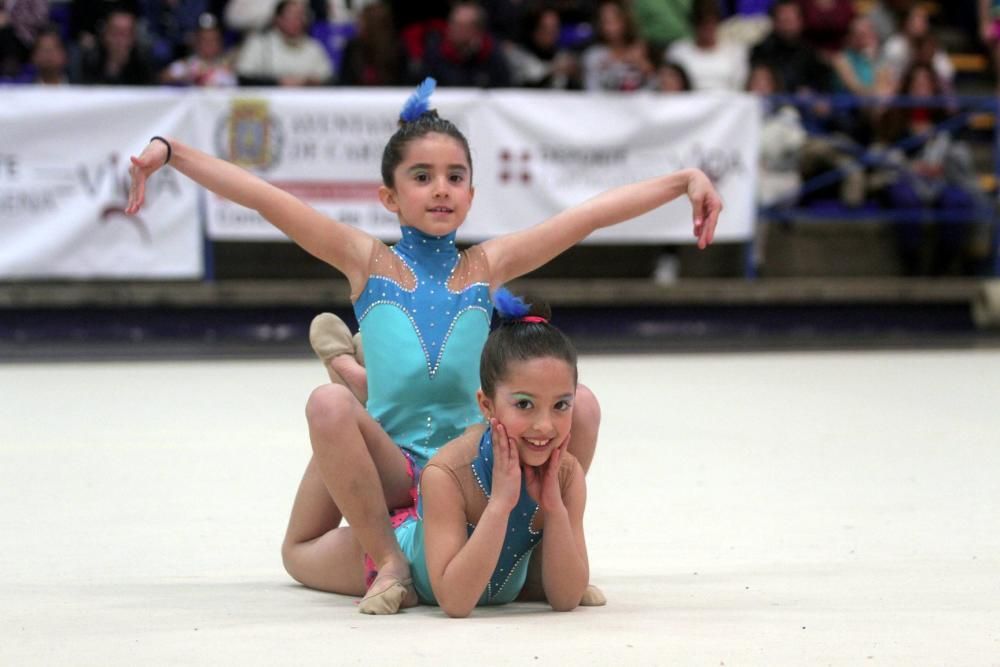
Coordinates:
961 107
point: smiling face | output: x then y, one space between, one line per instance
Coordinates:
534 402
432 186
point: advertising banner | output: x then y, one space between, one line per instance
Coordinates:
64 158
534 154
64 166
539 154
324 147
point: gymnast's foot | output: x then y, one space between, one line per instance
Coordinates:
390 592
593 597
340 353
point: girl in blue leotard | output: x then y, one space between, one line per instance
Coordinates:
491 497
424 310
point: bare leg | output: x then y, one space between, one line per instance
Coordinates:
586 423
344 570
356 472
351 372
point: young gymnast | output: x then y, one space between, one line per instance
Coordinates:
424 309
488 498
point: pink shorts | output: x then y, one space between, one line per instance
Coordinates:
399 515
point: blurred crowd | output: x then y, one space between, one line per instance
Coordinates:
857 46
805 56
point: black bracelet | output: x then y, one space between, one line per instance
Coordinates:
165 143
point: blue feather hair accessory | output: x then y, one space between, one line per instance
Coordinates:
419 101
510 306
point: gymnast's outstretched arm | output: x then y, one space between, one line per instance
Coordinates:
340 245
516 254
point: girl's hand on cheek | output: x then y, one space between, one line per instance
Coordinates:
506 469
543 482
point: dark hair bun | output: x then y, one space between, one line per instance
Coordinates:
513 308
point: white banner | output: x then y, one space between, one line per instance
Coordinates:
534 154
64 186
537 154
64 166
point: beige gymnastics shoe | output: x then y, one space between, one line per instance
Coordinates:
593 597
329 338
399 594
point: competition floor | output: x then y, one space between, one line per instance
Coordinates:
770 508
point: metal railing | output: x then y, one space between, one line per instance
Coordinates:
973 116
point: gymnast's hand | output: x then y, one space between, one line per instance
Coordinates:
543 482
152 158
705 205
506 469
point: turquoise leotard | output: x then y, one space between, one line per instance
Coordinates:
520 540
422 344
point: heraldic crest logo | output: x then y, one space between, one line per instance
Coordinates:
249 135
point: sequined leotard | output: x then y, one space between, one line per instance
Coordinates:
424 316
468 461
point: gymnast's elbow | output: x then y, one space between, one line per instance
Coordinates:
569 604
567 599
453 603
456 609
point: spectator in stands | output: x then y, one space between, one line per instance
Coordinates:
888 15
929 173
825 23
117 59
250 16
662 22
209 65
465 54
783 49
169 27
671 78
285 55
20 24
856 65
538 61
989 31
711 63
619 60
912 42
87 16
781 140
49 59
374 56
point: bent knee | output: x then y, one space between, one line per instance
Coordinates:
330 403
289 553
586 407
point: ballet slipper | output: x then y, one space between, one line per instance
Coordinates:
593 597
330 338
397 595
359 352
